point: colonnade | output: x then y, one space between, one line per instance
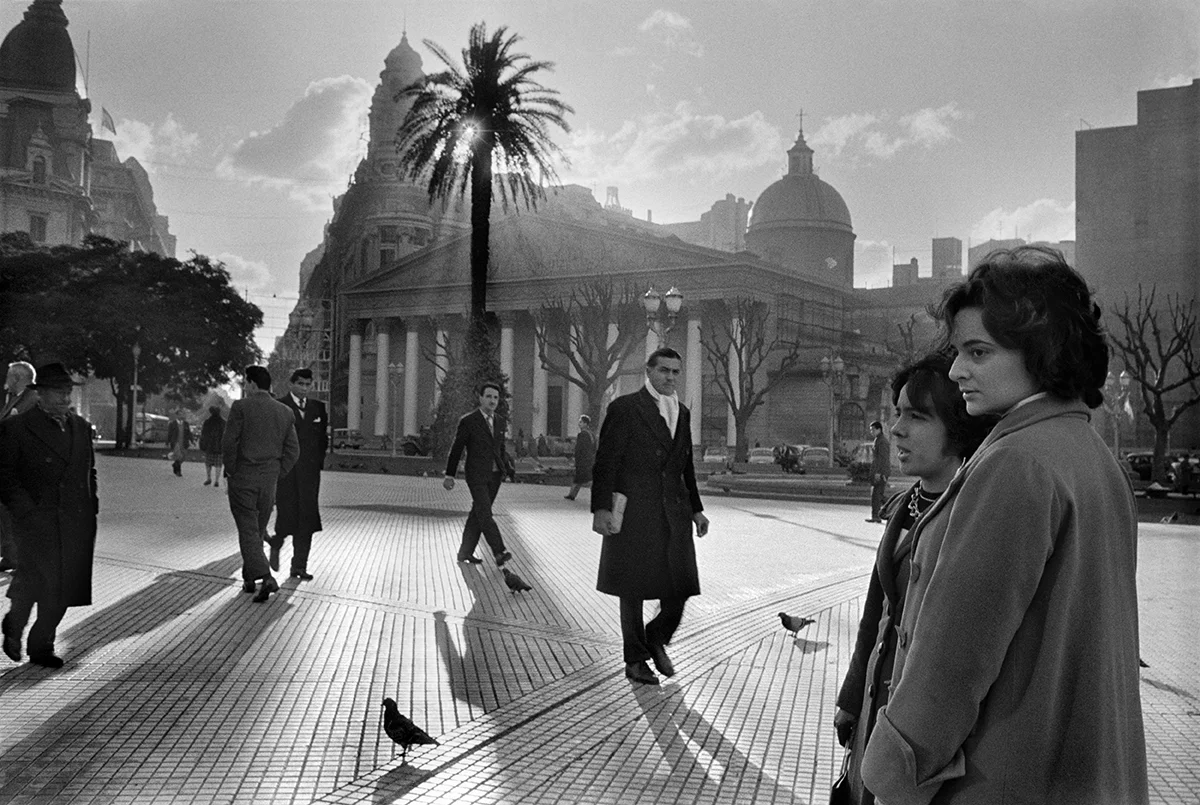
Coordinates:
420 374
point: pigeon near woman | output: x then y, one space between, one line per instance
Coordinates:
401 730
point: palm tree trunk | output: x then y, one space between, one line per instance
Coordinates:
481 225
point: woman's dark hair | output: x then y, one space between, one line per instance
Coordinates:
931 391
1032 301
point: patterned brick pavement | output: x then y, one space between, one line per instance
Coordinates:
179 689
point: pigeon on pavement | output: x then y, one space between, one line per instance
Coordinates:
401 730
514 582
794 623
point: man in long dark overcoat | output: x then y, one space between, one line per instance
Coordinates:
48 483
645 454
297 513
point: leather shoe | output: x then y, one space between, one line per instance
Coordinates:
302 575
269 586
471 560
46 660
503 558
248 586
273 557
658 654
874 520
12 643
640 672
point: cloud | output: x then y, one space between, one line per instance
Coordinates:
680 143
672 30
150 143
245 274
312 152
876 136
1044 219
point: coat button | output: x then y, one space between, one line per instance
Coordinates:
903 638
914 572
882 646
871 691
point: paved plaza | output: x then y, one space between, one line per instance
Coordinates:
178 688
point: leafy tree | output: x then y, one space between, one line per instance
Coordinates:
739 352
87 306
573 336
1161 358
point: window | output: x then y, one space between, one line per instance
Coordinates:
39 170
389 234
386 256
37 228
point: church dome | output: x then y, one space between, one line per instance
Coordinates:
404 60
37 53
800 198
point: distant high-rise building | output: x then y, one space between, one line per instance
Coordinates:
1137 193
947 257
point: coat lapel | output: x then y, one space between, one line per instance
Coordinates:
43 427
885 558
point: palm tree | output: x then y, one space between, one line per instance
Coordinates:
464 124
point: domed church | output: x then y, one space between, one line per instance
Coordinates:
801 222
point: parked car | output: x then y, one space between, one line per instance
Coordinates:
346 438
1141 463
861 462
814 457
716 453
761 455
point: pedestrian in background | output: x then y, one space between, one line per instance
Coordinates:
211 434
259 446
881 468
1016 678
481 434
297 513
179 439
18 398
48 483
585 456
934 435
645 455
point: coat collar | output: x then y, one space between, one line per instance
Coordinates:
1035 411
42 426
895 545
648 409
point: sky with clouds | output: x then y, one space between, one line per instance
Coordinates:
936 118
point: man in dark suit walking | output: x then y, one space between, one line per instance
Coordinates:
296 511
481 432
585 457
645 454
259 445
881 468
48 483
179 439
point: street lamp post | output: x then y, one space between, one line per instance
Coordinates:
662 310
395 373
137 353
1116 395
832 372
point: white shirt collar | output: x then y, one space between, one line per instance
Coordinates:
297 400
1028 400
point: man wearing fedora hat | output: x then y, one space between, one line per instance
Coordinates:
48 483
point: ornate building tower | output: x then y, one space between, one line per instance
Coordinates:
45 167
801 222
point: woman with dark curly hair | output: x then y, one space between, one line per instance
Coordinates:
1016 676
933 435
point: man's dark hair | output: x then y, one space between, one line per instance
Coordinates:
488 384
933 393
300 373
585 419
1032 301
662 352
876 425
259 376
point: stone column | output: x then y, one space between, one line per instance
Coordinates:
537 426
693 374
354 393
412 357
506 350
735 363
382 353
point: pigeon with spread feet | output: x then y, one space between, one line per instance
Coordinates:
794 623
401 730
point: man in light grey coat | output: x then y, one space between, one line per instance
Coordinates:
259 446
